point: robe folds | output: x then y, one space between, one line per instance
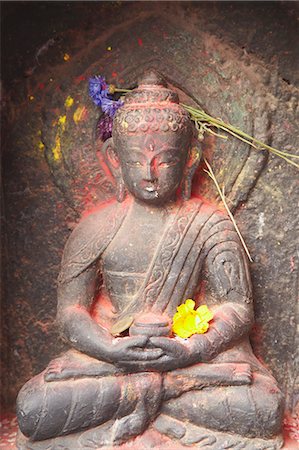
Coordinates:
199 243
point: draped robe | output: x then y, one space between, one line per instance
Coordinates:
198 242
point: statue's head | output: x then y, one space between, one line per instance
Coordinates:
151 151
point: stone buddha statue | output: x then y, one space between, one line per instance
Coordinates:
126 268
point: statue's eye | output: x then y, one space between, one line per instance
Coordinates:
134 163
164 164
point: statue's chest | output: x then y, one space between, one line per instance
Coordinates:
134 246
127 259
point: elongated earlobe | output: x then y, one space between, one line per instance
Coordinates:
120 190
191 166
112 160
111 157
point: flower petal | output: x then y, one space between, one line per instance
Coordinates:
180 330
202 328
190 304
204 313
187 321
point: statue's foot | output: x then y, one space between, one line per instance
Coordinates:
54 370
74 364
242 374
129 426
114 434
189 434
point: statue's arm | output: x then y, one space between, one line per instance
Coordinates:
74 320
77 285
228 293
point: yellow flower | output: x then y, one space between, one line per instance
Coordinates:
188 321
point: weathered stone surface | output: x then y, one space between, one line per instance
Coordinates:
206 50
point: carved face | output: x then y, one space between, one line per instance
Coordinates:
152 165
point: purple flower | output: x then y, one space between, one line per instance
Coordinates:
99 92
98 89
110 106
104 127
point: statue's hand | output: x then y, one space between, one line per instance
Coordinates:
132 349
175 353
172 355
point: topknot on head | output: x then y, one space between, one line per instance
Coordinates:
152 78
152 89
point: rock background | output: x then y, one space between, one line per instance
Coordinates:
237 60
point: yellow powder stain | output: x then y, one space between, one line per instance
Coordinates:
41 146
79 114
69 102
57 149
62 122
109 48
31 97
66 57
39 133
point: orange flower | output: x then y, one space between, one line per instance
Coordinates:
188 321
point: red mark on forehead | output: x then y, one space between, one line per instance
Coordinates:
149 144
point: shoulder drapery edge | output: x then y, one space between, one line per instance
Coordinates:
98 230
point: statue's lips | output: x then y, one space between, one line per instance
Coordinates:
150 187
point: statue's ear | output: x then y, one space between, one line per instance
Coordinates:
191 166
108 149
113 163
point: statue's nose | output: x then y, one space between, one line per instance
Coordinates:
150 174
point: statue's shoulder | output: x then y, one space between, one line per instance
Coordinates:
101 220
212 221
99 216
209 211
216 227
91 237
93 223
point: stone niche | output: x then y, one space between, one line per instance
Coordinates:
236 61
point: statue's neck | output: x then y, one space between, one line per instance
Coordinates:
159 209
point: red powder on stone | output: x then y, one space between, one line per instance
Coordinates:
79 79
